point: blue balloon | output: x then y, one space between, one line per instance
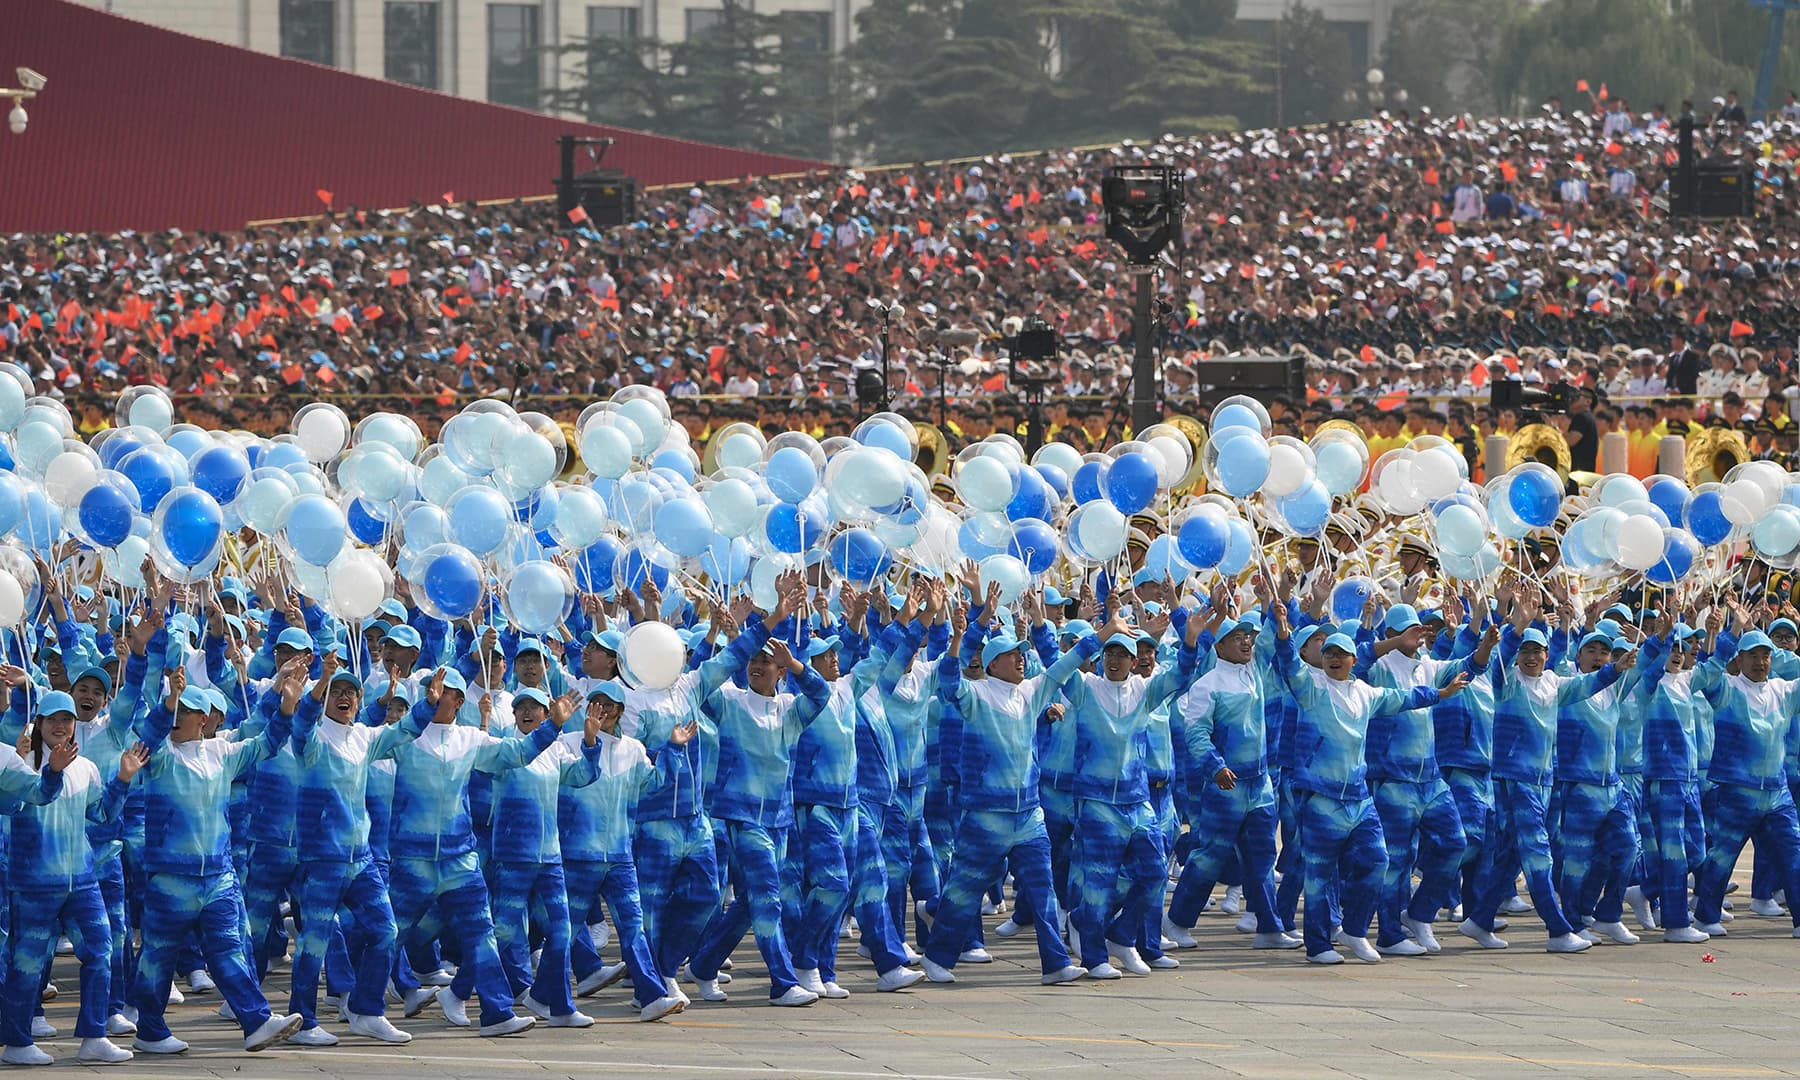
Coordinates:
478 519
791 474
860 556
1348 598
1034 499
1238 416
1203 539
1671 496
316 529
1706 518
191 527
366 527
593 565
1131 482
1241 549
1055 477
1679 552
632 568
220 472
453 582
684 527
1306 509
888 437
973 545
727 561
1535 497
105 513
1034 544
914 501
1164 562
115 450
42 526
282 455
1089 481
1243 462
12 502
675 461
188 442
151 475
793 529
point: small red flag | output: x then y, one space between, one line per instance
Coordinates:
324 197
448 197
578 215
1581 86
1741 329
398 277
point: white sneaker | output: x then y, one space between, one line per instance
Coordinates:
1685 935
49 992
455 1010
1422 933
1711 929
199 982
440 977
415 1001
102 1052
1403 947
1008 928
897 979
835 992
1796 932
1767 908
512 1025
224 1012
809 980
661 1007
176 997
1361 948
1275 941
1233 903
1329 956
709 991
1103 971
579 1019
912 955
724 976
1516 905
65 947
1568 943
600 934
534 1006
1127 958
725 964
120 1024
1614 932
921 908
937 973
675 992
795 997
276 1029
1180 935
42 1028
977 955
1487 939
28 1055
379 1028
1164 962
849 927
170 1045
1066 975
1640 908
1726 916
988 908
1246 924
600 980
313 1036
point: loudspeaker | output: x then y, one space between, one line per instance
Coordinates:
608 196
1261 377
1720 189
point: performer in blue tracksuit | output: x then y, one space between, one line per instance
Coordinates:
1748 797
337 869
434 878
1337 819
52 882
910 683
1222 717
1526 697
189 882
997 790
1665 693
1420 824
1595 840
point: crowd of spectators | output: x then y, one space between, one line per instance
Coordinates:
1412 258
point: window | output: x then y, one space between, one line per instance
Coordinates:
309 30
513 72
806 31
703 21
410 42
612 22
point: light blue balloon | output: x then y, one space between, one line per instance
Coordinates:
153 411
1339 467
1459 531
1236 416
791 474
1239 550
539 596
441 479
676 460
12 493
42 526
377 470
1306 509
316 529
262 500
634 505
986 483
727 561
36 446
734 507
12 402
423 525
887 437
580 518
684 527
187 442
478 519
644 420
1243 463
606 450
1777 533
281 455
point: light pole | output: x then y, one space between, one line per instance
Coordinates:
1376 92
887 312
30 82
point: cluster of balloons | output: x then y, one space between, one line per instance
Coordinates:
1297 480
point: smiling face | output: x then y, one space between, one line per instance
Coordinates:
826 664
1237 646
598 663
1593 656
763 674
342 699
1009 667
1531 658
1337 663
609 712
57 729
89 697
1754 664
1116 662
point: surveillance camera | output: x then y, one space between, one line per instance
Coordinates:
16 120
30 79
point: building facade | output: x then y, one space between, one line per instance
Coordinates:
488 50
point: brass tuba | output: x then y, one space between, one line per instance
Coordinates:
1194 431
1539 442
933 457
1712 452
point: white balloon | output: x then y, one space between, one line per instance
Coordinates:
1640 542
1287 471
357 583
12 600
1435 473
654 655
69 477
322 435
1744 500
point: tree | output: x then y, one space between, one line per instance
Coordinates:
1443 52
1634 46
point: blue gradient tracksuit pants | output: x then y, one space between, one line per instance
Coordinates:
1059 825
1597 849
431 895
528 893
271 877
323 887
111 871
38 916
1114 841
1734 816
1420 827
986 840
1291 860
1679 840
906 848
1241 824
678 881
758 859
827 850
1473 792
1765 876
870 890
1341 843
589 881
1524 843
177 906
1147 936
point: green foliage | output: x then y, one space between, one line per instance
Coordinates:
1443 51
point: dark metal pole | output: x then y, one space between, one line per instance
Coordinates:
565 189
1143 366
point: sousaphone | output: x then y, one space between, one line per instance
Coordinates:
933 457
1194 431
1541 443
1713 452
